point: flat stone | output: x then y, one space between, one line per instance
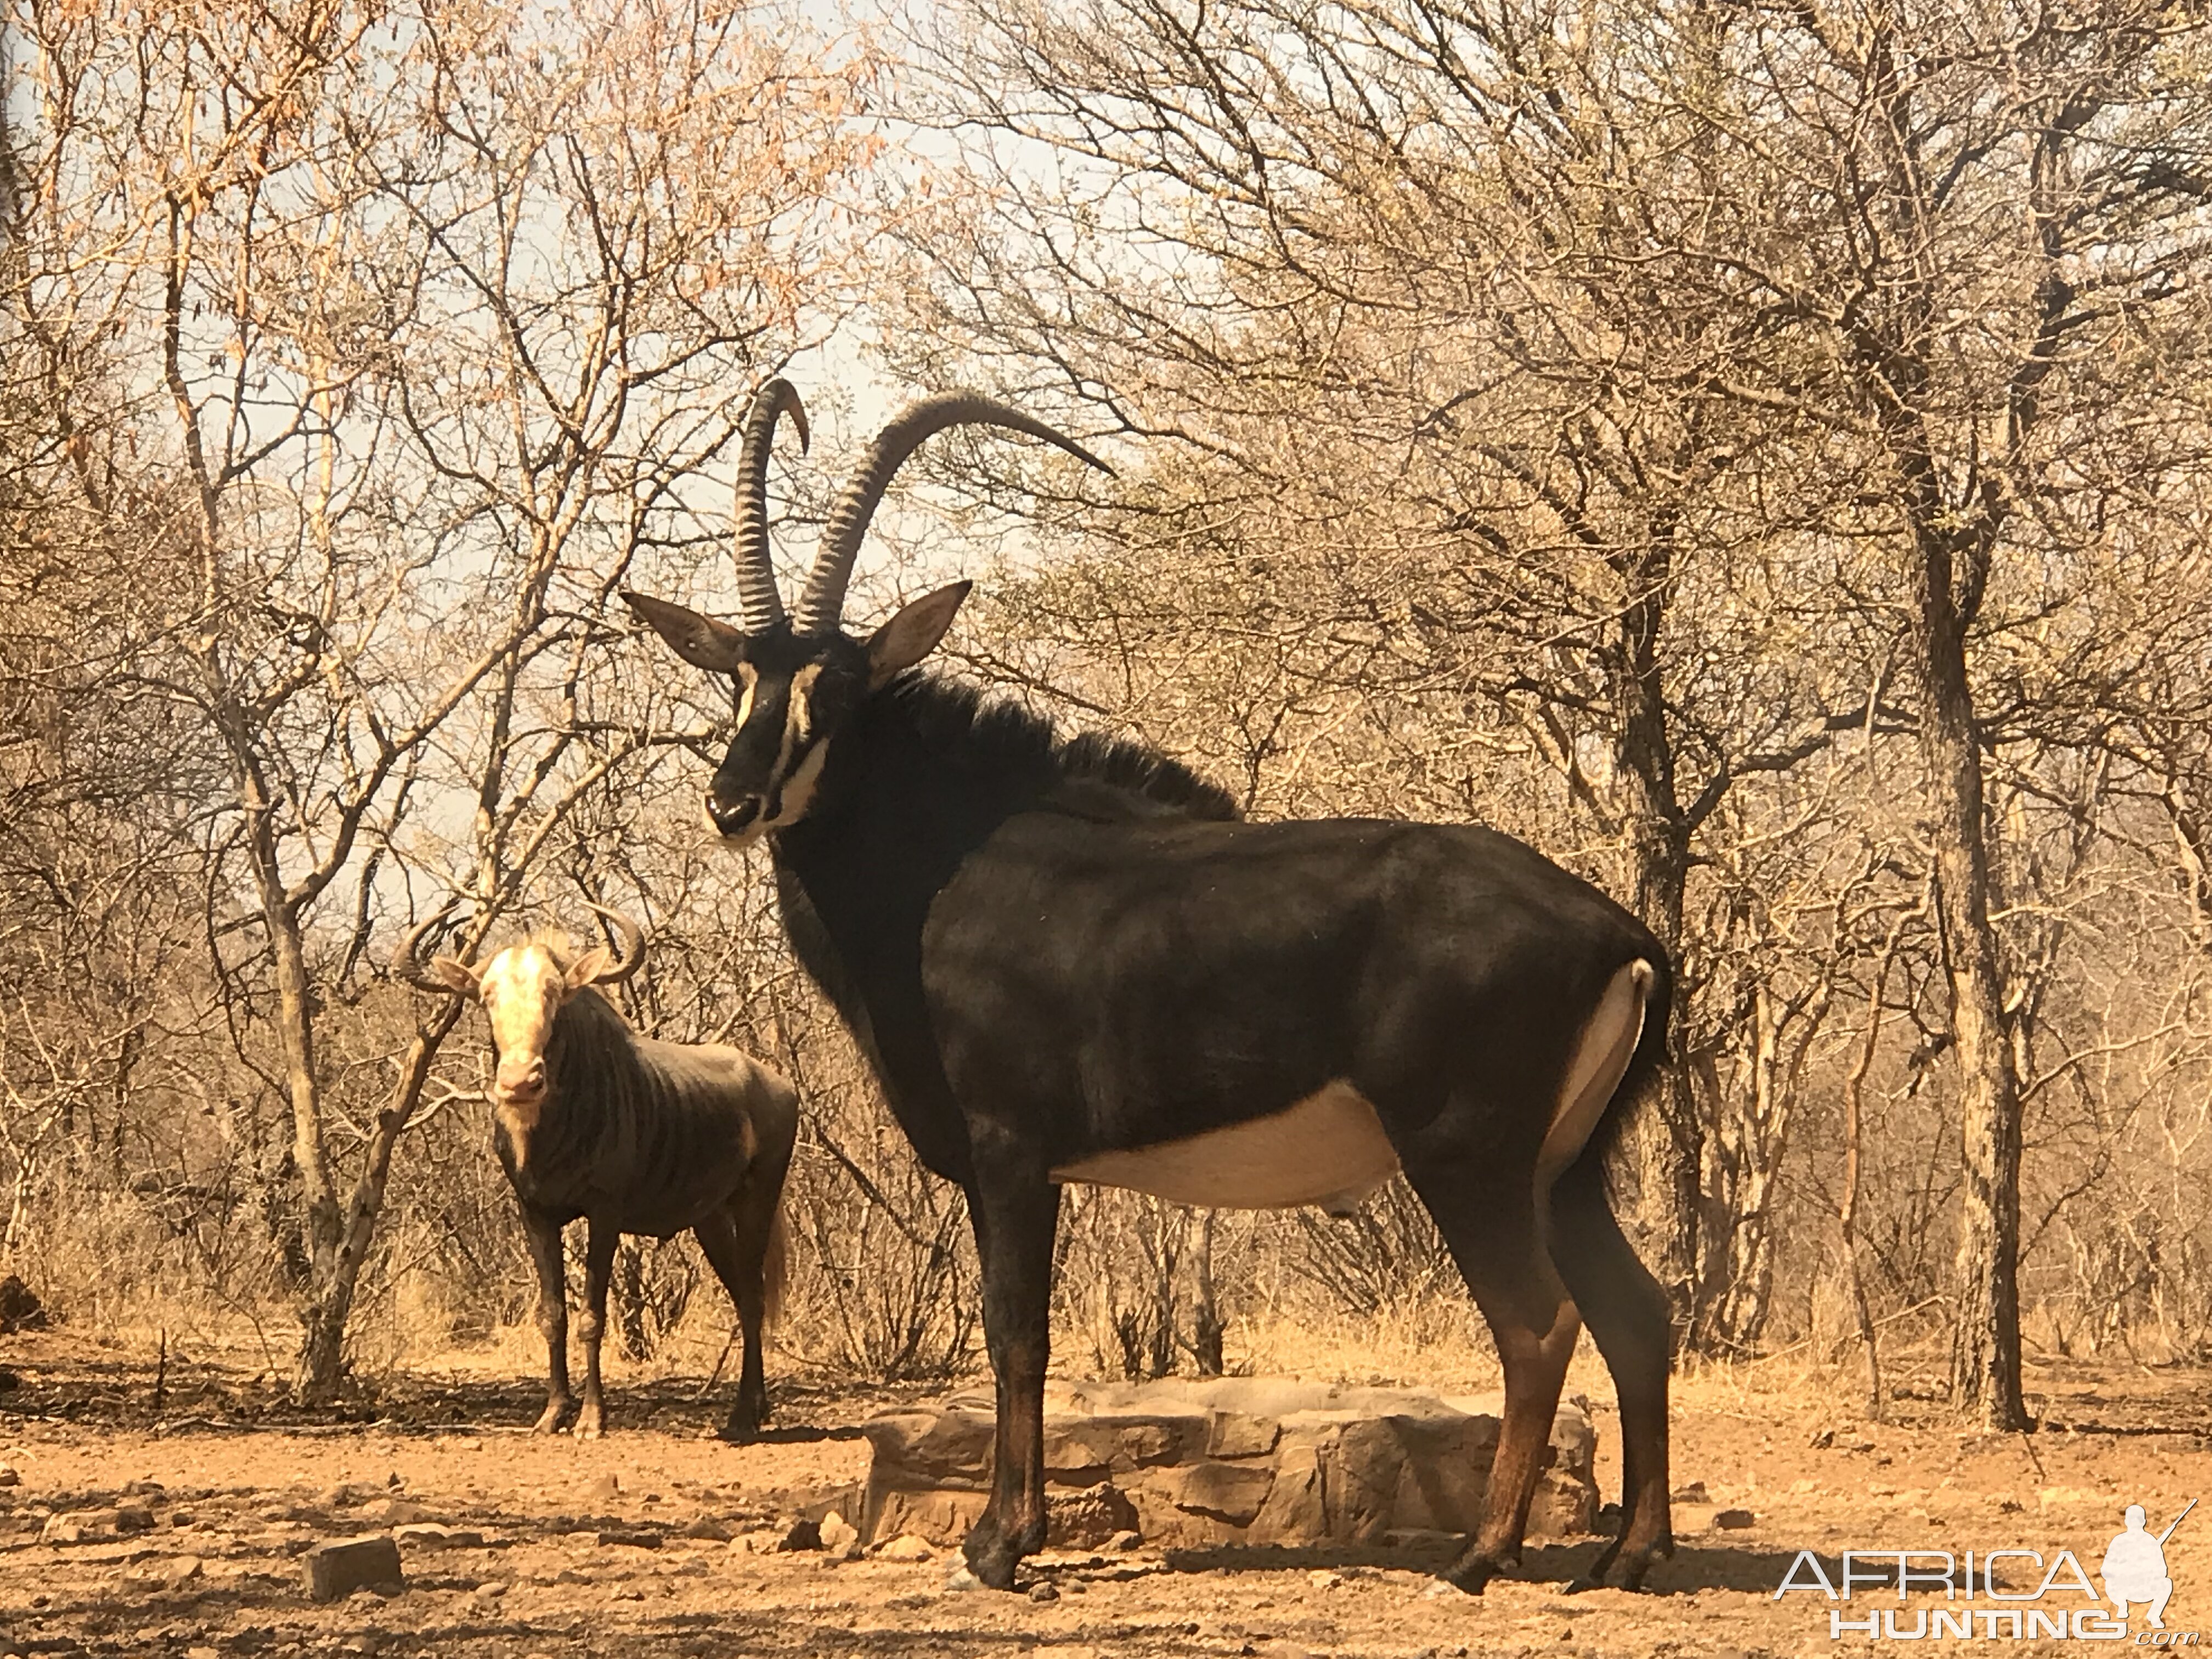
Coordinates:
613 1538
708 1530
8 1477
335 1570
133 1518
907 1546
1734 1520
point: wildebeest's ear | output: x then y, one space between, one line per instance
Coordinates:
700 641
456 976
912 634
588 968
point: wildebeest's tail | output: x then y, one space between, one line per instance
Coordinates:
1644 1066
773 1267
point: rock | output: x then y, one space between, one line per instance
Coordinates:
906 1548
431 1535
1229 1492
838 1535
79 1526
1693 1493
1044 1593
393 1512
336 1570
1085 1520
1126 1541
602 1488
1322 1578
1734 1520
708 1529
1222 1461
802 1535
133 1518
183 1518
20 1309
627 1539
8 1477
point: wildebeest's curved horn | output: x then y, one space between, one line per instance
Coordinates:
633 947
407 955
758 603
824 601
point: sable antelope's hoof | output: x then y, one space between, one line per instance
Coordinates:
1619 1569
555 1417
992 1558
591 1425
1473 1572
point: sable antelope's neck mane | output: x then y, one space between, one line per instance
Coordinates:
996 743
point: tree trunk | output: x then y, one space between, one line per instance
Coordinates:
330 1300
1985 1361
1671 1145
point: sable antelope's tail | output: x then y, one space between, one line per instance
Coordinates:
775 1265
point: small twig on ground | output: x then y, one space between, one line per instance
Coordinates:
2039 1472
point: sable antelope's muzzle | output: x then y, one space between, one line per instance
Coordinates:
733 817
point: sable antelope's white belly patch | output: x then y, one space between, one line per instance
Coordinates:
1329 1149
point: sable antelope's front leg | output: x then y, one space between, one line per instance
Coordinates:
1015 1210
544 1236
598 1268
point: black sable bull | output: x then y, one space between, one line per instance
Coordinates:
591 1120
1068 962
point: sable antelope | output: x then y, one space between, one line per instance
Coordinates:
1069 960
591 1120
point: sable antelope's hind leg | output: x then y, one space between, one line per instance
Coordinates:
544 1236
1494 1239
599 1267
1628 1320
720 1238
1015 1213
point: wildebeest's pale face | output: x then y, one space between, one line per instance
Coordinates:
521 989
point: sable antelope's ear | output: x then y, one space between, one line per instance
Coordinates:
700 641
456 976
912 634
588 968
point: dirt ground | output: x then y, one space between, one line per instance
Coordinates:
658 1561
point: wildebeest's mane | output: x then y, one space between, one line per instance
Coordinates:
1097 777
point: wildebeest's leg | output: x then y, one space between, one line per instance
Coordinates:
1627 1315
544 1236
1495 1239
599 1267
1015 1210
719 1236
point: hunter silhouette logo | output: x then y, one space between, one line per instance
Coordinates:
2134 1569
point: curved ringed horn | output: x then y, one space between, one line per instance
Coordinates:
824 602
407 955
633 947
758 602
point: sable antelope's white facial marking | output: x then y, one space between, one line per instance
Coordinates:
799 757
1327 1149
748 678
